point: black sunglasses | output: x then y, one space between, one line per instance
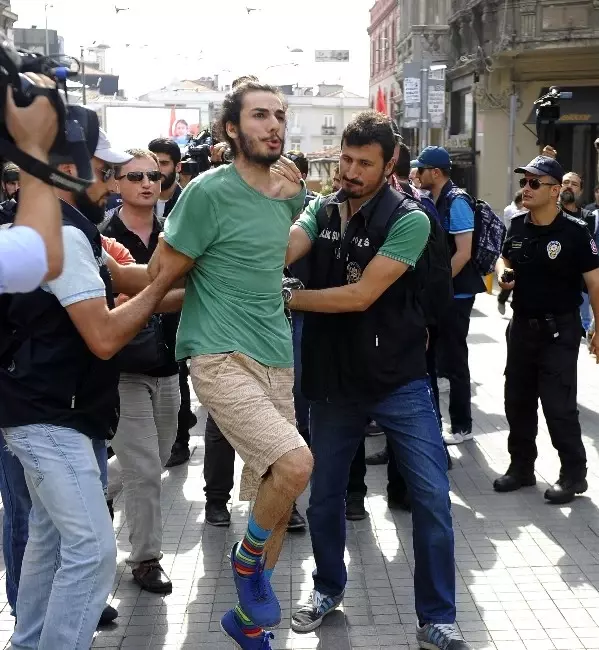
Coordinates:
106 173
534 183
137 177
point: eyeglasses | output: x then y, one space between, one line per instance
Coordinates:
106 173
534 183
137 177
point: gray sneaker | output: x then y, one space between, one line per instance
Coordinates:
439 636
309 616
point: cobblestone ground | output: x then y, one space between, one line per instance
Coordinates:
527 572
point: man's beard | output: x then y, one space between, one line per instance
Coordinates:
567 197
358 191
265 160
167 181
90 210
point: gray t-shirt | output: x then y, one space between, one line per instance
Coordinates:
80 278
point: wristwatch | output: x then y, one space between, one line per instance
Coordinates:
287 295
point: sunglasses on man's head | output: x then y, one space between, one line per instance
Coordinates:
533 183
137 177
11 177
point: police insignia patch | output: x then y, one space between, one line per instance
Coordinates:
553 249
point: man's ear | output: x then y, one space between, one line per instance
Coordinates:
178 168
389 167
231 130
68 168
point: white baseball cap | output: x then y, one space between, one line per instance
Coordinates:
105 152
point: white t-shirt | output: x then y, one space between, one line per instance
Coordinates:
80 278
160 208
23 260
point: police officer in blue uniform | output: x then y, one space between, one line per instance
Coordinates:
546 254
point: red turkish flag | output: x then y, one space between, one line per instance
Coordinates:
381 105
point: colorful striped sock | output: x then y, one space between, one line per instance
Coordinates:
250 551
246 625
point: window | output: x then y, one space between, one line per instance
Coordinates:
295 120
296 144
329 120
327 143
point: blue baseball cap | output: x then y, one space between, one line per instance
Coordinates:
543 166
432 157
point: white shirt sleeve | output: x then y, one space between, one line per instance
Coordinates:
80 278
23 260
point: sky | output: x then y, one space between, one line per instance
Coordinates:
153 44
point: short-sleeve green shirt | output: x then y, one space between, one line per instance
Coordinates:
404 243
238 238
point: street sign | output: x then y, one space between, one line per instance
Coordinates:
332 56
412 91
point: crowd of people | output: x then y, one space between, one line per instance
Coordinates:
300 320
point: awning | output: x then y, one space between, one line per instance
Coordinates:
583 108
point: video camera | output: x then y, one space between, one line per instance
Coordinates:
70 140
548 113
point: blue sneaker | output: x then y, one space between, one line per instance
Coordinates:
438 636
230 627
256 597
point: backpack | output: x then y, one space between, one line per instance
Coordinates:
488 236
433 269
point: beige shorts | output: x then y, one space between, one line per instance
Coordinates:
252 405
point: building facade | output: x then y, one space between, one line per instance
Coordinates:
423 37
384 37
504 54
7 18
34 39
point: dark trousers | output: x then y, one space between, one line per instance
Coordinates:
302 406
182 439
219 464
407 416
453 353
504 296
540 365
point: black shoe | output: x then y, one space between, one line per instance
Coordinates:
354 507
179 454
296 521
512 481
217 514
109 503
108 615
566 489
192 420
402 503
380 458
150 576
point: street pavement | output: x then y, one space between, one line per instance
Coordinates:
527 573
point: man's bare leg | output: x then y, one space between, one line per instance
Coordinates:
273 547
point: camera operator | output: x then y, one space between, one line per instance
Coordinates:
32 251
59 387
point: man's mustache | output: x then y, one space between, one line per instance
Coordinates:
353 182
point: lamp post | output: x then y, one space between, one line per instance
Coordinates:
46 7
83 80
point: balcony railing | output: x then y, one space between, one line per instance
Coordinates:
328 130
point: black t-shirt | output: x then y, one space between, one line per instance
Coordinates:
549 262
142 254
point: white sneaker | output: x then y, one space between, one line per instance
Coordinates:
457 438
443 385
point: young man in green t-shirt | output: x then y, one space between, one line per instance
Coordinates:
228 233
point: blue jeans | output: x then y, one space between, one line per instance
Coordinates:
17 504
407 416
68 516
585 312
